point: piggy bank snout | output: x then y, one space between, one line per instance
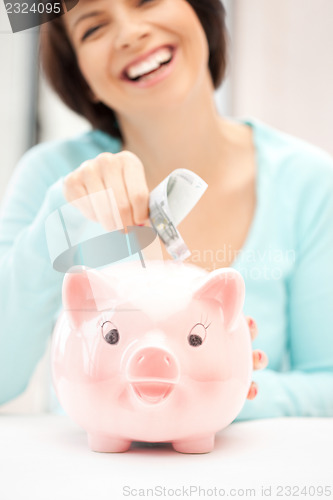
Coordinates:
152 373
153 363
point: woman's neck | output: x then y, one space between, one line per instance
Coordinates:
189 136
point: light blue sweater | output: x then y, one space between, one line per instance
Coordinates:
287 264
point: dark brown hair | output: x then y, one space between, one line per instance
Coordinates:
62 71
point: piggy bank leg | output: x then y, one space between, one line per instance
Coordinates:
107 444
203 444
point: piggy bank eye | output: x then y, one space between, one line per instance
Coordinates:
110 333
197 335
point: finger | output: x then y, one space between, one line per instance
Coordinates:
260 360
112 167
83 204
116 196
136 186
76 194
252 327
94 185
253 391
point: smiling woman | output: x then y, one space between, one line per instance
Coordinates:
57 53
144 75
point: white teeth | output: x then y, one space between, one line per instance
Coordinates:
150 64
163 55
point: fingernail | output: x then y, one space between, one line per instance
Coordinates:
252 325
253 392
259 356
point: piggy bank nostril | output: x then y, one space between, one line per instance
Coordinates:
152 363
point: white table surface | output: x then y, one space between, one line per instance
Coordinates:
46 457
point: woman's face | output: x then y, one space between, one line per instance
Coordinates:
138 55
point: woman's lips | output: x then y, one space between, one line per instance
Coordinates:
156 75
144 57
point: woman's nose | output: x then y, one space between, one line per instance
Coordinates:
130 31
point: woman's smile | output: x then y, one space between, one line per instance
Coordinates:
150 68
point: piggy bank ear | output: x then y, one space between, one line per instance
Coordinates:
84 292
226 286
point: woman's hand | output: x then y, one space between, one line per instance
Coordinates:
119 179
260 359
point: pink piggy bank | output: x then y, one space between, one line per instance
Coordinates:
155 354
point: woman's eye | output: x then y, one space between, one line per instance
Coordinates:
197 335
90 31
110 333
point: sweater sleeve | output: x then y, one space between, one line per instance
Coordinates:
30 288
307 388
